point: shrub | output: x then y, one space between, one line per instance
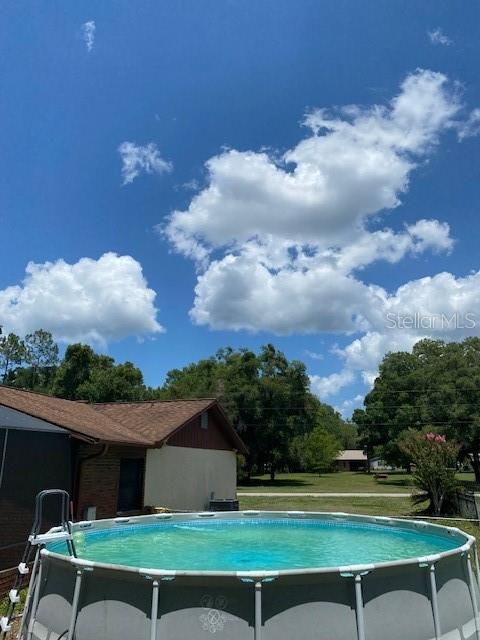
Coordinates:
434 459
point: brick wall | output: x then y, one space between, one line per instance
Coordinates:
7 578
99 478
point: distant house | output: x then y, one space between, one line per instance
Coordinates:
112 458
378 464
351 460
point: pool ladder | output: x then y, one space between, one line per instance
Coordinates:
34 544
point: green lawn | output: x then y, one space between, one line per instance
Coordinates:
367 506
341 482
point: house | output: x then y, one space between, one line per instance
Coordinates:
112 458
377 463
351 460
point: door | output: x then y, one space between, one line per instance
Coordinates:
130 488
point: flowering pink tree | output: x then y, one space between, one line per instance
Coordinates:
435 462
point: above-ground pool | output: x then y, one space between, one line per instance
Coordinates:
257 575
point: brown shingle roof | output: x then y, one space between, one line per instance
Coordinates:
78 417
159 419
137 423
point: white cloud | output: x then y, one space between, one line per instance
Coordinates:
280 242
330 385
347 406
353 165
90 300
266 287
239 292
369 247
430 235
471 126
442 307
438 37
88 30
136 159
314 355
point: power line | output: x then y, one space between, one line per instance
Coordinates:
390 423
432 390
416 423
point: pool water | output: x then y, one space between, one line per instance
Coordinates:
260 544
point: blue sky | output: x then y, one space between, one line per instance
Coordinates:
186 175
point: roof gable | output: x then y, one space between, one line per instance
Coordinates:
159 420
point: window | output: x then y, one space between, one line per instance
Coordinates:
204 420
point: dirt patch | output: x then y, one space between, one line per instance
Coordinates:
13 633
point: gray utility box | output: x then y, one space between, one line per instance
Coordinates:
225 504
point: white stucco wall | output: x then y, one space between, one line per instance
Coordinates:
184 478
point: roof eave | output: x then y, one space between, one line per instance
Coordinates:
78 434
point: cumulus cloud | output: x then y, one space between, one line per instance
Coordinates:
347 406
438 37
355 163
330 385
441 306
239 292
430 235
280 242
471 126
137 158
88 30
314 355
90 300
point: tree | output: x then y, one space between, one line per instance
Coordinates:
438 384
434 460
12 352
332 422
73 371
86 375
110 382
41 354
266 396
41 349
317 450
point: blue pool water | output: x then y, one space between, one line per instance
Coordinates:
255 544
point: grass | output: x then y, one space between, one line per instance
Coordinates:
4 603
341 482
376 506
368 506
16 620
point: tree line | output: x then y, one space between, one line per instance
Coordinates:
433 389
266 395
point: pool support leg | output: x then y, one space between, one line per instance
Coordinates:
258 610
359 607
36 596
477 566
473 595
29 592
434 600
76 598
154 613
